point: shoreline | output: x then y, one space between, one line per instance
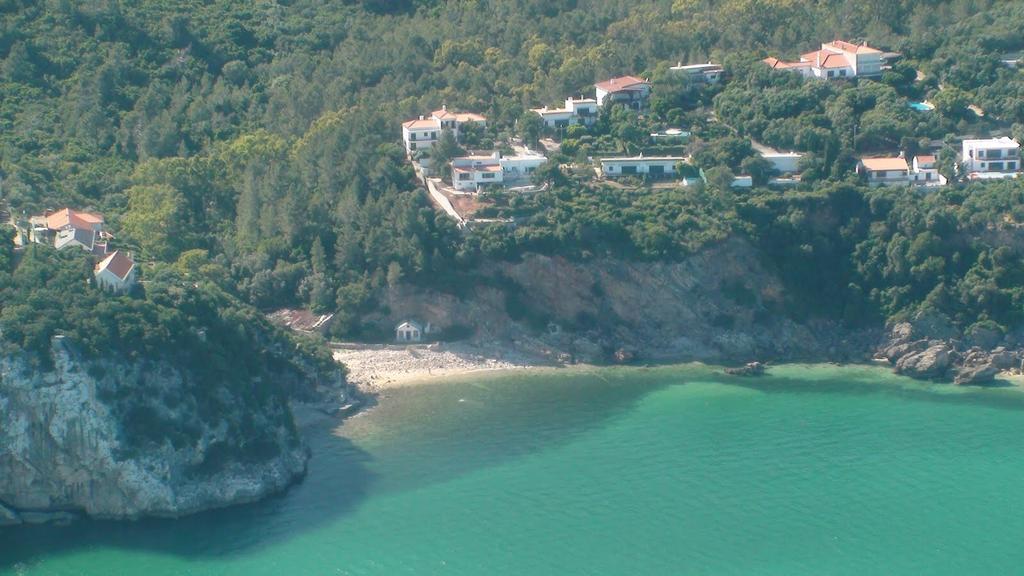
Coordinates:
374 369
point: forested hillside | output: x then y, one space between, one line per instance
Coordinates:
256 145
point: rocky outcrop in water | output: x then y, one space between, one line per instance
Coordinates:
125 439
928 347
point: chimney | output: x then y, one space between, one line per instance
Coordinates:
444 107
421 117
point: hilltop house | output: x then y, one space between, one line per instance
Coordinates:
422 133
704 73
68 227
991 157
628 90
836 59
653 166
784 162
471 172
576 111
116 273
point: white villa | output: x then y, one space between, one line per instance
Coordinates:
422 133
408 331
69 228
628 90
708 73
836 59
576 111
991 157
654 166
890 171
469 173
116 273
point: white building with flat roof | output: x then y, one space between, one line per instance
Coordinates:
654 166
784 162
991 156
576 111
470 173
708 73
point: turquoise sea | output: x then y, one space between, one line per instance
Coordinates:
674 470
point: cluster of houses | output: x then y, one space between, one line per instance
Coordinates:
114 271
981 159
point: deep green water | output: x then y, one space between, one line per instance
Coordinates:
814 470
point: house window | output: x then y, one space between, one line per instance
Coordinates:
433 135
995 166
1011 165
412 136
657 169
412 145
463 176
842 72
831 73
487 175
629 170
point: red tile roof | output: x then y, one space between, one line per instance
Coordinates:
420 124
921 159
621 83
826 59
118 263
855 48
73 218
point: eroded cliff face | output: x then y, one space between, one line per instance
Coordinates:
721 304
129 439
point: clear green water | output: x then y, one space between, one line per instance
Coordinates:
815 470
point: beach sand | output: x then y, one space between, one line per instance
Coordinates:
377 368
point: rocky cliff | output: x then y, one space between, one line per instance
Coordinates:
123 439
720 305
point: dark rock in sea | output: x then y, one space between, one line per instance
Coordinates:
973 375
930 363
748 369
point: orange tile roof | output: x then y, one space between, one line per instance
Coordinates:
826 59
884 163
855 48
73 218
117 263
423 124
621 83
929 159
776 64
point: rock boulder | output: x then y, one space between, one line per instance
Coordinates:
931 363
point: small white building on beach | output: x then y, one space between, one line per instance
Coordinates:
409 331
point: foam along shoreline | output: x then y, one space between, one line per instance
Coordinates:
376 368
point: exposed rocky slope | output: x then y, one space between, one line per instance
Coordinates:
720 305
124 439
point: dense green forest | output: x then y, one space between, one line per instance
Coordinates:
254 147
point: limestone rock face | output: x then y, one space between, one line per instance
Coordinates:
933 362
71 441
978 374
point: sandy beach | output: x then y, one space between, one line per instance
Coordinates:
374 368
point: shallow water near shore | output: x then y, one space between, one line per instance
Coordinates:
669 470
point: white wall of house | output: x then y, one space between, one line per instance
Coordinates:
784 162
888 177
107 280
999 155
653 166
